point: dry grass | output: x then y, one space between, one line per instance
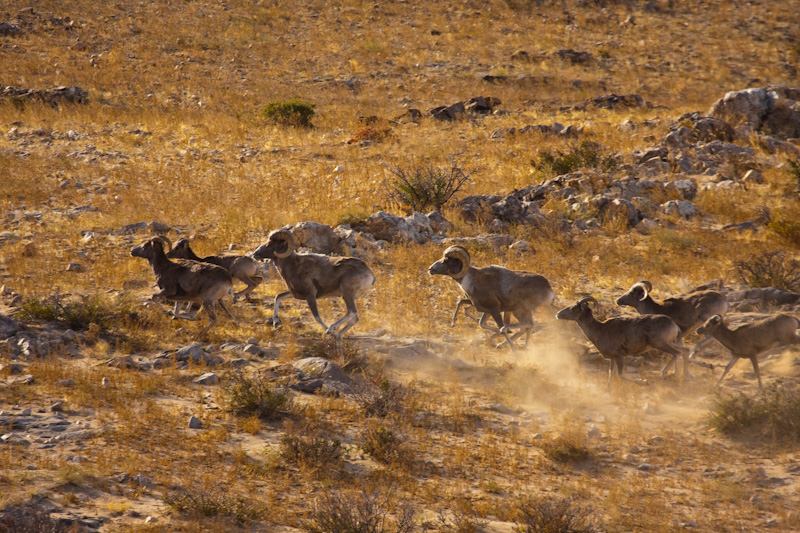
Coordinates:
174 132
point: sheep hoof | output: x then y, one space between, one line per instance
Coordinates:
276 323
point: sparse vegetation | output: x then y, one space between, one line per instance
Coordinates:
177 138
383 444
257 396
425 187
770 417
554 515
78 314
212 502
585 155
294 112
358 512
770 269
380 396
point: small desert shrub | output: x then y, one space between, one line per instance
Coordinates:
461 517
214 502
77 314
425 187
341 351
256 396
794 168
292 112
553 515
362 512
570 445
311 450
380 397
587 154
772 416
787 228
382 444
770 269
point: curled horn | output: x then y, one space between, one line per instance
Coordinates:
163 240
586 300
646 287
284 235
460 253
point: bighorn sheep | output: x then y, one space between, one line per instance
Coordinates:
310 276
619 337
245 269
751 339
689 311
186 281
495 290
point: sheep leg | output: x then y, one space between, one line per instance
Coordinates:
349 320
212 315
754 360
675 351
727 368
276 322
459 304
227 311
498 318
696 349
312 304
251 285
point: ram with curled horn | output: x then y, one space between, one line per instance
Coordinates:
689 311
617 338
495 290
311 276
186 281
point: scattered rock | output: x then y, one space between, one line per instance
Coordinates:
209 378
195 423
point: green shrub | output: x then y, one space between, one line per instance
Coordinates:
255 396
426 187
292 112
770 417
78 314
587 154
553 515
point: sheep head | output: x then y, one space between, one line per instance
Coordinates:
179 251
640 291
711 325
281 243
577 310
454 263
148 249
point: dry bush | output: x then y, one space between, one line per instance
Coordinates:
425 186
256 396
586 155
384 445
770 269
461 517
770 417
341 351
312 449
358 512
380 396
554 515
216 501
75 313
